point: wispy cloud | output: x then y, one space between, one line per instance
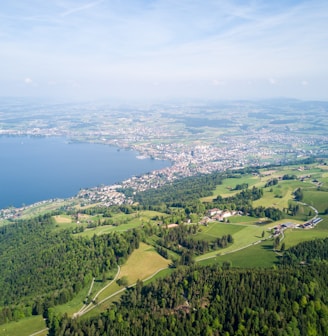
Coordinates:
84 7
103 43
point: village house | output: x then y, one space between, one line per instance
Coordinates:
213 212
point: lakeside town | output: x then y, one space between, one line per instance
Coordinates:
193 142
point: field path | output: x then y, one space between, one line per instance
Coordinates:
39 332
85 307
92 306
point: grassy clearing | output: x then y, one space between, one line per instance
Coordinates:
74 305
226 188
125 222
279 196
63 219
140 217
296 236
99 230
160 275
149 214
64 222
142 263
216 229
319 199
24 327
260 255
113 288
248 235
95 312
243 220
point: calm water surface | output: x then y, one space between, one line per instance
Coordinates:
34 169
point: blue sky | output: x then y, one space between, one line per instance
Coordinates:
164 49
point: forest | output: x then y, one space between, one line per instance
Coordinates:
213 301
41 268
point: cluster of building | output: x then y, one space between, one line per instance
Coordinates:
163 133
218 215
277 230
107 195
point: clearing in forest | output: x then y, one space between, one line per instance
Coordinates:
142 263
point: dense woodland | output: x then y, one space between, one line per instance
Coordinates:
307 252
41 267
212 301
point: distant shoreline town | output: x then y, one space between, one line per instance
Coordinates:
196 139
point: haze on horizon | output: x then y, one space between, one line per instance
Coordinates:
163 49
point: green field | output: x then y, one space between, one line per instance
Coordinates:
216 229
295 236
243 220
318 199
260 255
227 187
24 327
126 222
280 194
243 237
143 263
99 230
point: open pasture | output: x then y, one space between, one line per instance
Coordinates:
216 230
280 194
142 263
24 327
296 236
246 236
318 199
125 222
259 255
105 229
242 220
227 187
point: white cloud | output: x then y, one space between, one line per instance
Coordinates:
216 82
28 81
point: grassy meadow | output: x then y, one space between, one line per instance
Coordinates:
148 262
24 327
259 255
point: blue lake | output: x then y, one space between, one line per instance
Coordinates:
33 169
